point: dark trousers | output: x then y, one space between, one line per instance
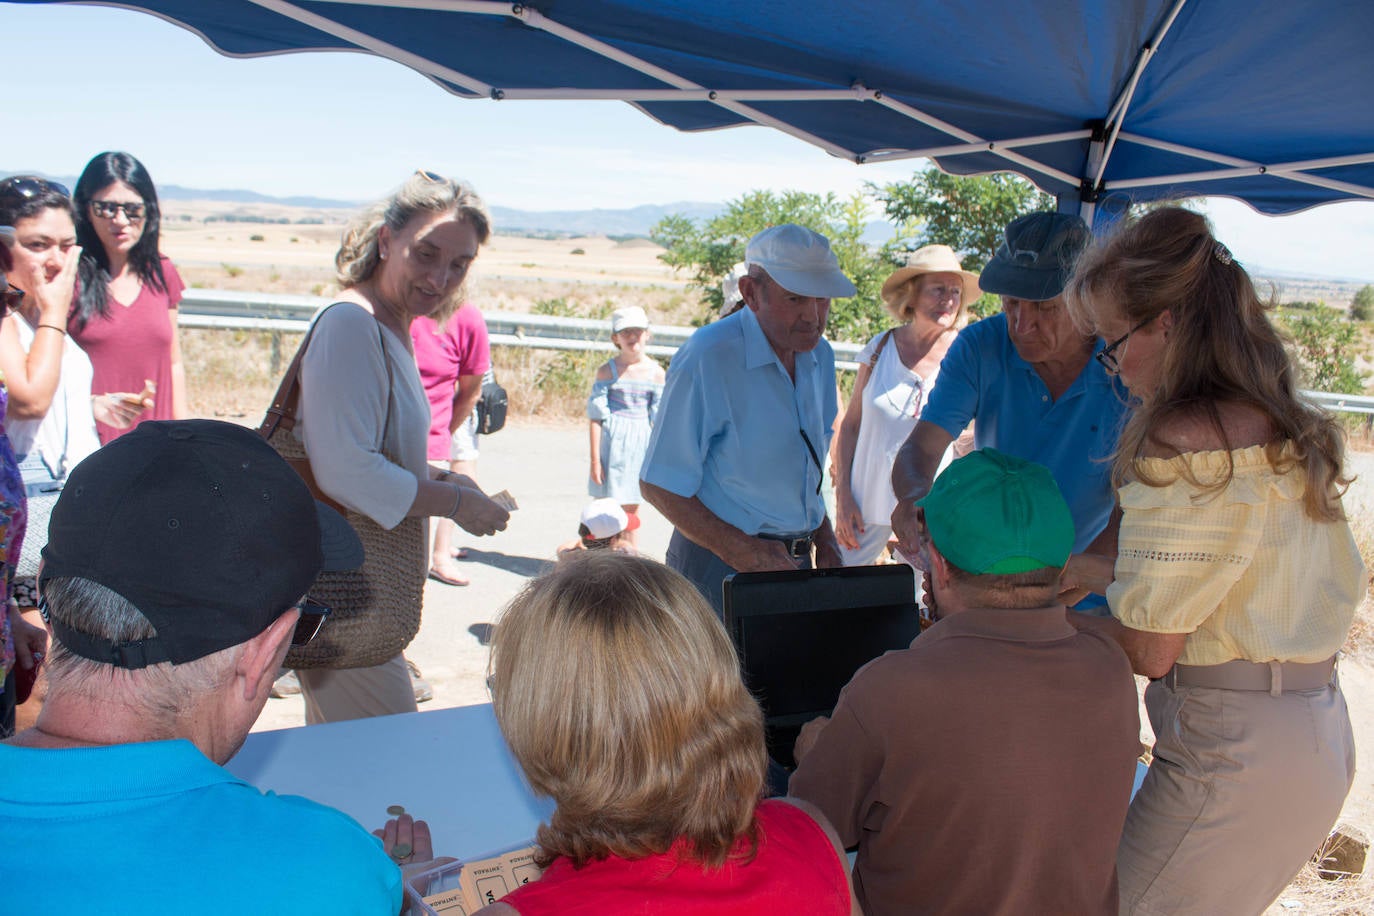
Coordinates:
704 569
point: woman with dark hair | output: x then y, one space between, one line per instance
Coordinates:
126 310
1236 576
52 413
619 694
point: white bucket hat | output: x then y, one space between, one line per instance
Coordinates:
800 261
932 259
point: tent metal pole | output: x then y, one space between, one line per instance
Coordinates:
964 149
535 19
1116 117
376 46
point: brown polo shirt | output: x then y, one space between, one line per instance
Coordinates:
986 769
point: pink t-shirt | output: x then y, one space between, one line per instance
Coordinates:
133 344
443 355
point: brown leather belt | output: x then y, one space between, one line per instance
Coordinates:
1275 677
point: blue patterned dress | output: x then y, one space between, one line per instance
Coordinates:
626 409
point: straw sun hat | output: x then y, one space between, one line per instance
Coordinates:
932 259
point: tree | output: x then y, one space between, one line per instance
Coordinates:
1362 308
1326 350
709 251
967 214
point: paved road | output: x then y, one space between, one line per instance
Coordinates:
545 469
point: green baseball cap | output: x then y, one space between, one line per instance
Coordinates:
992 514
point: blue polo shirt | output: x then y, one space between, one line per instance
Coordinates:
157 827
982 377
729 428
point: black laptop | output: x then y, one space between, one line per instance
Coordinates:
801 635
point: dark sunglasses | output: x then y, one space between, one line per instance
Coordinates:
308 625
29 188
106 209
432 177
1107 355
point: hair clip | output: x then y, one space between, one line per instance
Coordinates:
1221 253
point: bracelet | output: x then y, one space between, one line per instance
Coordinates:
457 499
58 328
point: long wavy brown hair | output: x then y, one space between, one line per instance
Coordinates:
1222 349
620 696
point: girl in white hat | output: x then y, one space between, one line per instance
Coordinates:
621 411
897 372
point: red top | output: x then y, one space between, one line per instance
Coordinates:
133 344
443 354
796 871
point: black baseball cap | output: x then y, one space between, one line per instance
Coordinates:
200 525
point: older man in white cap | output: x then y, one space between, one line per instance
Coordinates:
735 460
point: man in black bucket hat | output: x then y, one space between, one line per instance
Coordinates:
175 578
1029 379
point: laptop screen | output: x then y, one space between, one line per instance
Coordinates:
801 635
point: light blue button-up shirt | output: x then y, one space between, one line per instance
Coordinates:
729 428
982 377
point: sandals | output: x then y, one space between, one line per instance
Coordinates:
440 574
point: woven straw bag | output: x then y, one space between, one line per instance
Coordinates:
376 608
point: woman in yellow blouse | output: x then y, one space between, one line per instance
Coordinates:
1236 576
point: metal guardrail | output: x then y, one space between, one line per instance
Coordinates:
211 308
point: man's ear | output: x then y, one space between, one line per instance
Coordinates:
1166 320
748 291
262 655
939 566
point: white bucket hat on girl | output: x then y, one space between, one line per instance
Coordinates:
631 316
932 259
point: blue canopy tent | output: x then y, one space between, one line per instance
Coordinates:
1097 101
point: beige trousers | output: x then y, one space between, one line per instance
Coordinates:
1243 788
333 695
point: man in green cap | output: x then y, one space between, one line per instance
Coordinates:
987 767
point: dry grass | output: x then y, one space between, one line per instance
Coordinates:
1312 895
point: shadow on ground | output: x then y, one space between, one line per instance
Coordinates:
528 567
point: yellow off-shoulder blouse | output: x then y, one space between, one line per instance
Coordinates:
1245 571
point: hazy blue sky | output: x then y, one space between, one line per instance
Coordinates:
85 79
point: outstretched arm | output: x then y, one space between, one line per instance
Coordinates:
913 472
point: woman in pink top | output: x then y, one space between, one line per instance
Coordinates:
620 696
126 311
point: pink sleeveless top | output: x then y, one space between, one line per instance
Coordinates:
796 871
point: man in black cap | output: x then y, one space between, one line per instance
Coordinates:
174 581
1029 380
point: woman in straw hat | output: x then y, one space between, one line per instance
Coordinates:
897 371
1236 575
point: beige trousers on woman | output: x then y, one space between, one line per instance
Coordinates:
1243 789
333 695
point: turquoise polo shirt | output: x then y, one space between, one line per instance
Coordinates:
729 428
983 378
157 827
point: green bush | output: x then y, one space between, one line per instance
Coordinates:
1325 349
1362 307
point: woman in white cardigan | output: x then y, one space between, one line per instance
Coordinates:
364 417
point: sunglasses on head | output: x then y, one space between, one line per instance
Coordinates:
25 188
308 625
431 177
106 209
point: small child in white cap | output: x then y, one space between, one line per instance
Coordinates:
605 526
621 411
